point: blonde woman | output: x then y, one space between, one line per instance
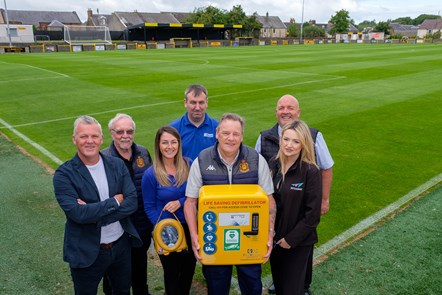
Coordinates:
163 189
298 189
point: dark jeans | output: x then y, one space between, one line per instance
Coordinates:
139 271
218 279
178 268
115 262
289 268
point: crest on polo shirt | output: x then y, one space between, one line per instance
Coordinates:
244 166
140 162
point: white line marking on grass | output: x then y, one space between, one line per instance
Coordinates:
371 220
44 70
337 241
33 143
177 101
93 114
30 79
37 68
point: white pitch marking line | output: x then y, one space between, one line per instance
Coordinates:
178 101
30 79
44 70
31 142
365 224
93 114
37 68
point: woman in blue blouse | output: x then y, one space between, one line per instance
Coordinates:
163 188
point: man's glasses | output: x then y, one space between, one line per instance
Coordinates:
121 132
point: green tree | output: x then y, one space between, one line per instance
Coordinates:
252 26
383 27
363 26
435 35
236 16
293 30
403 20
312 31
207 15
341 20
420 19
396 36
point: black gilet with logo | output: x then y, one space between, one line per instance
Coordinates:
270 141
214 171
141 160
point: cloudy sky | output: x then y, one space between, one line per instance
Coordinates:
319 10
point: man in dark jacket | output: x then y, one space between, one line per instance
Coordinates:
137 160
97 196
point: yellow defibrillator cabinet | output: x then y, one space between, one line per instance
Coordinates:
233 224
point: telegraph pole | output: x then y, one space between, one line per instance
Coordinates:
7 23
302 21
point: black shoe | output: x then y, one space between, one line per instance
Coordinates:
271 289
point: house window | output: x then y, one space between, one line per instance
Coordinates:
102 20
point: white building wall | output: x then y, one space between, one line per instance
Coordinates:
19 33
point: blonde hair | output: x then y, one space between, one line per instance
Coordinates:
181 165
307 151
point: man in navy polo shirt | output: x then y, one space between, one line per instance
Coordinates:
196 128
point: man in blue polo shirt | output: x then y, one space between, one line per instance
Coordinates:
196 128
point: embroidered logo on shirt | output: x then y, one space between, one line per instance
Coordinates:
297 186
140 162
244 166
211 168
208 134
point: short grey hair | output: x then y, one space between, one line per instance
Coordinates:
87 120
118 117
232 117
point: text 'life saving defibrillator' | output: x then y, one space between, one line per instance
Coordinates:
233 224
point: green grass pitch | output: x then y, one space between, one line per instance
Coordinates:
378 106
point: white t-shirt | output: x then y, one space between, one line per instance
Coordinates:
113 231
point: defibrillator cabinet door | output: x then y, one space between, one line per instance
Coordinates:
233 224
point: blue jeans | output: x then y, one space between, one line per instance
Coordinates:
116 262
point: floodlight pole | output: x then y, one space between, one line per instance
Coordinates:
302 21
7 23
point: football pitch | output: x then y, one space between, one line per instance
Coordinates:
378 106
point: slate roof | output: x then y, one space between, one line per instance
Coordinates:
181 16
431 24
96 19
400 27
135 18
162 17
271 22
29 17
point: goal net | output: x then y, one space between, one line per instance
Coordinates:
87 35
181 42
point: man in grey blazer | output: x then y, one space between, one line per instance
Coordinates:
97 196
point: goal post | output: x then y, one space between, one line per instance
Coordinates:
75 35
244 41
181 42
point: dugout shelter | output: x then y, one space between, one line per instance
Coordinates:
165 31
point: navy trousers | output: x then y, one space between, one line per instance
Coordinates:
116 262
218 279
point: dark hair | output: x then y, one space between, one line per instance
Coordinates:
196 89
